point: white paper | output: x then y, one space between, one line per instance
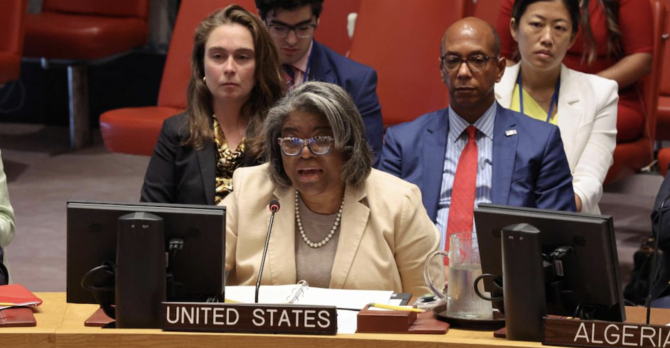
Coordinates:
266 294
22 304
351 299
395 302
347 322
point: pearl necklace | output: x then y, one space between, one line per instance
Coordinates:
302 232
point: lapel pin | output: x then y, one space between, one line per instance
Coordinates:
510 132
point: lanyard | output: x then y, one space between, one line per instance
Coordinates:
554 98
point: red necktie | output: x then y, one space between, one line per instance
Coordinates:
463 191
289 75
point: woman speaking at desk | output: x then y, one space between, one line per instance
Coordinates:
235 79
342 224
583 106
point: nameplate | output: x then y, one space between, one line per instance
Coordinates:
586 333
254 318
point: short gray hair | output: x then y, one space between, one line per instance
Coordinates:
335 104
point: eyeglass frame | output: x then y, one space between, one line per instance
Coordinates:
307 142
293 28
466 61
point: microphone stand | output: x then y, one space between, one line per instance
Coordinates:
274 207
654 268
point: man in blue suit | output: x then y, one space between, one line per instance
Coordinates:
507 158
292 24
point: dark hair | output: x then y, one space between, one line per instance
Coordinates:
334 104
268 89
265 6
577 15
572 6
611 8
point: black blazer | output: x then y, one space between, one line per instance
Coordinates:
179 174
360 81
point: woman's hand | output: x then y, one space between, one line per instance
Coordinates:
629 70
578 203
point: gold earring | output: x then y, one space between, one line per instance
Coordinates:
204 79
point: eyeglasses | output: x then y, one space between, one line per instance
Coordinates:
475 62
302 31
319 145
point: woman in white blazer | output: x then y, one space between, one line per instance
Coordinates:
583 106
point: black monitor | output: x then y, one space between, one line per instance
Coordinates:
590 265
194 238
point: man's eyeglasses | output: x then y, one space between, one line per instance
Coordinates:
319 145
302 31
475 62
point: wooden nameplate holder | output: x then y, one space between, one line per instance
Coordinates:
632 333
98 319
253 318
374 321
591 333
17 317
292 319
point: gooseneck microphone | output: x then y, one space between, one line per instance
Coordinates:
654 262
274 207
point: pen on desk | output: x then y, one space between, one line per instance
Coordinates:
396 308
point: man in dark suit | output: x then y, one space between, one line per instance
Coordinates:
660 224
292 24
476 151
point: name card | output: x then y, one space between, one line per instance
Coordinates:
255 318
586 333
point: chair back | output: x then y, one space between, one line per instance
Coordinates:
118 8
651 83
177 71
487 10
401 40
630 157
664 88
12 26
332 30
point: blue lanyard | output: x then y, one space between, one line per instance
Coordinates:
554 98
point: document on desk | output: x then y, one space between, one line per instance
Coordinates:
15 295
352 300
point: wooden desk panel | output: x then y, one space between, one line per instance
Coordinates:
62 325
73 333
150 338
49 317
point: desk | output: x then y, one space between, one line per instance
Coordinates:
60 324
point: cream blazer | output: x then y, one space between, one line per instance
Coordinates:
587 111
385 234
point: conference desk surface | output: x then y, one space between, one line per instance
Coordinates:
60 324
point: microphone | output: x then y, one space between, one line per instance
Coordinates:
274 207
654 265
